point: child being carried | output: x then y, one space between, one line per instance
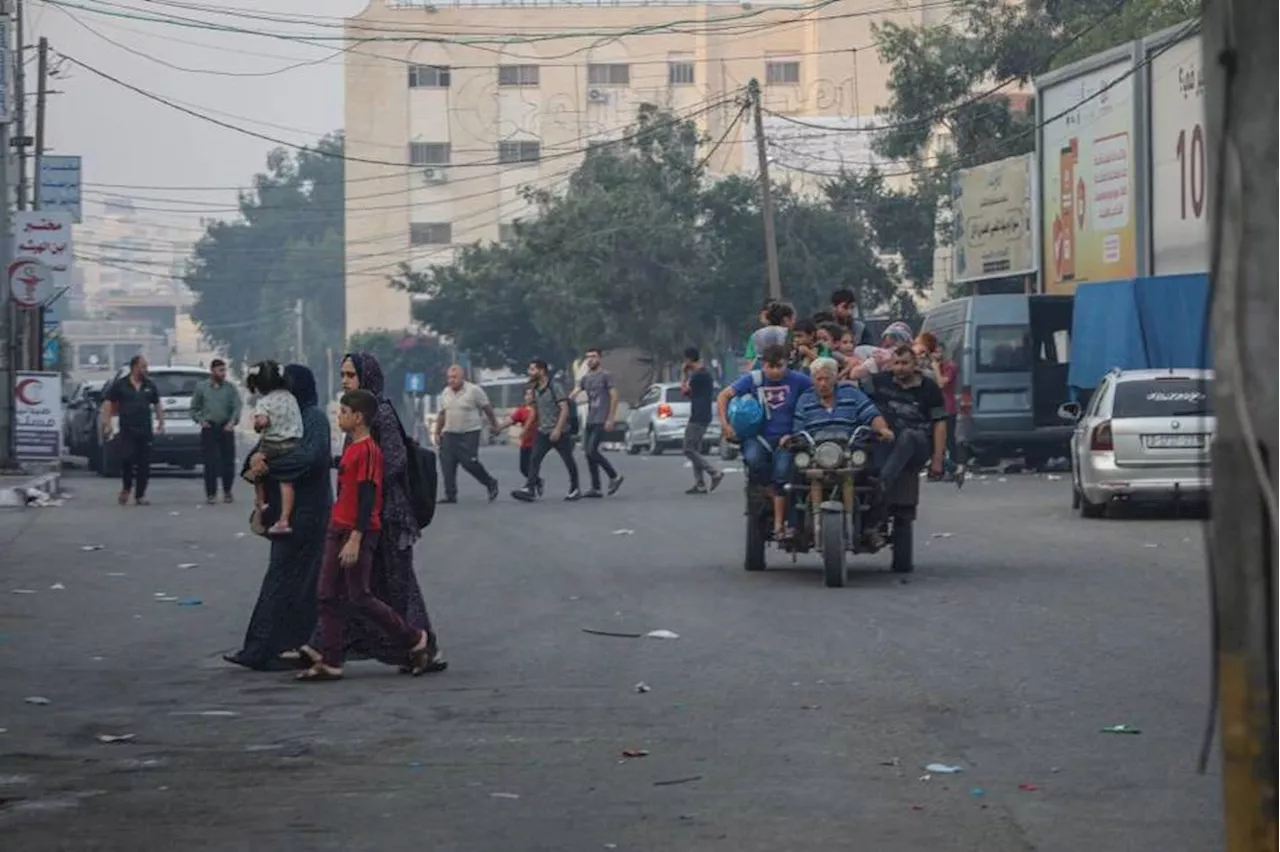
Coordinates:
278 422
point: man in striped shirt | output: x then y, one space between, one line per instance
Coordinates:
831 405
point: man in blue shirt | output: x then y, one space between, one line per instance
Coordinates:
830 405
766 456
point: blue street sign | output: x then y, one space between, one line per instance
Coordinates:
52 349
415 382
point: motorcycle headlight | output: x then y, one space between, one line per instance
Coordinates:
802 460
829 455
858 458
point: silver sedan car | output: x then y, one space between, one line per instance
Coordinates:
1145 434
656 422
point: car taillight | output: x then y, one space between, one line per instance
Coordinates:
1100 440
664 410
966 401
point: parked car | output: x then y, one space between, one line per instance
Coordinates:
656 422
180 443
80 423
1144 434
1012 354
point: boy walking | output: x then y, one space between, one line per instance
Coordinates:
350 544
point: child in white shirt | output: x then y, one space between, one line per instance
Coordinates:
278 422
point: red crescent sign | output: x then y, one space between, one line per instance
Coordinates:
27 391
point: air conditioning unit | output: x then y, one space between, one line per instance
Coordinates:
597 96
435 174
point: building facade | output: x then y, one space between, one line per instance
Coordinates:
444 132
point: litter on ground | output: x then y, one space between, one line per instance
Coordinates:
1120 729
36 699
662 634
943 768
116 738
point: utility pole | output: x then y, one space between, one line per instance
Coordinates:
297 332
35 316
1240 73
766 194
8 314
20 104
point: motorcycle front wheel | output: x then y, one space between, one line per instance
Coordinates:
834 553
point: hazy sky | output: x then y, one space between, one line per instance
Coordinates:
126 139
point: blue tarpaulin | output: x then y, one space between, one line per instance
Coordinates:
1137 324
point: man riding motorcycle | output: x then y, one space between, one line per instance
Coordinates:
831 405
766 455
913 405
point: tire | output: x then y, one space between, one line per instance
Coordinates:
904 545
1075 497
632 449
655 449
754 559
835 562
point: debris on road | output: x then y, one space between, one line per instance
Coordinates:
662 634
174 514
635 752
504 795
88 548
1028 788
674 781
24 591
57 587
977 792
1053 477
116 738
943 768
617 634
810 706
116 574
941 535
1150 544
624 532
641 687
1120 729
893 761
188 565
191 602
166 599
36 699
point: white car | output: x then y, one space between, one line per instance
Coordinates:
1145 434
656 422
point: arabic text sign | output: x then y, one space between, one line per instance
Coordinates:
60 185
1088 225
994 233
45 236
30 283
37 425
1179 185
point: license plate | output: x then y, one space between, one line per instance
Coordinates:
1173 442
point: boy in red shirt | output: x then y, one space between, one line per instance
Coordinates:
527 416
350 543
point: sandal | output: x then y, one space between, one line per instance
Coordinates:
301 658
122 498
425 659
319 673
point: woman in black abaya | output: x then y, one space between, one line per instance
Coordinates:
285 614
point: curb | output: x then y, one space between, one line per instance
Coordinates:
46 486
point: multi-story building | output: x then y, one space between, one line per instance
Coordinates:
443 132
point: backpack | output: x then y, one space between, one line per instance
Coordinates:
420 471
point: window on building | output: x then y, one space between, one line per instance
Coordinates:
506 232
517 75
608 75
429 153
782 73
430 233
519 152
680 72
428 76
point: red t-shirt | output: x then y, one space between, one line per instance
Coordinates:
361 462
524 416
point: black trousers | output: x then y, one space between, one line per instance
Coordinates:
909 453
541 446
218 455
461 448
596 461
135 461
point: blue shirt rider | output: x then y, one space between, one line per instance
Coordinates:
767 456
832 405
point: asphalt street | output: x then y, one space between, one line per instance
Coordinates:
786 716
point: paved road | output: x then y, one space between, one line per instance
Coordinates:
1022 633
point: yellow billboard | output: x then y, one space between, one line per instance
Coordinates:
1088 222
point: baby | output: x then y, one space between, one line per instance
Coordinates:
278 422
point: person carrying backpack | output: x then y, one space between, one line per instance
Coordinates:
557 424
776 388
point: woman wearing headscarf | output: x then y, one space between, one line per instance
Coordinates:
285 614
393 579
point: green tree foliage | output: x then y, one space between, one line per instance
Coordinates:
401 353
640 249
287 245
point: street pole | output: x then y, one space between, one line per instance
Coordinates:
766 194
1240 73
297 332
35 329
20 103
7 313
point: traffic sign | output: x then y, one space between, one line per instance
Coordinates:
415 382
30 283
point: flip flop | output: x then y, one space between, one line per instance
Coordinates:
317 674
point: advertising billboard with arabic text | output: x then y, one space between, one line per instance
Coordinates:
1089 224
993 218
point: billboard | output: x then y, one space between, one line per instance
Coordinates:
1179 186
992 220
60 185
37 412
1089 226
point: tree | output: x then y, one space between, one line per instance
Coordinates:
288 245
403 352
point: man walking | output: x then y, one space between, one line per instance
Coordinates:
215 405
130 399
699 386
458 428
552 405
602 409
